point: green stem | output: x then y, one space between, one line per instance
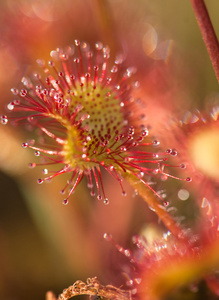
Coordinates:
151 199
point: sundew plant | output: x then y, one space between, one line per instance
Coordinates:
86 116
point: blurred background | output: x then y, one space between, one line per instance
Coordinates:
45 245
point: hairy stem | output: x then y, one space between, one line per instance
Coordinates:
151 199
208 33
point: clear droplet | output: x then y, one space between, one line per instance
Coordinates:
4 120
107 236
129 282
127 252
140 174
24 145
10 106
45 171
114 69
156 142
173 152
99 46
106 201
164 177
14 91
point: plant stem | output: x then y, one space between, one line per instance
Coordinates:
104 18
154 203
208 33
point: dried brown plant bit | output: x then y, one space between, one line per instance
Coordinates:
87 120
93 288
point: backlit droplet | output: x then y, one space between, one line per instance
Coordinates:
65 201
99 46
107 236
173 152
39 181
4 121
140 174
156 142
129 282
10 106
24 145
106 201
45 171
164 177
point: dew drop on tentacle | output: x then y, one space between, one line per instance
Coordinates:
32 165
164 177
129 283
99 46
45 171
124 194
10 106
40 181
156 143
173 152
24 145
4 119
65 201
14 91
141 174
106 201
107 237
37 153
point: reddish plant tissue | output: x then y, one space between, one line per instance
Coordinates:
88 120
